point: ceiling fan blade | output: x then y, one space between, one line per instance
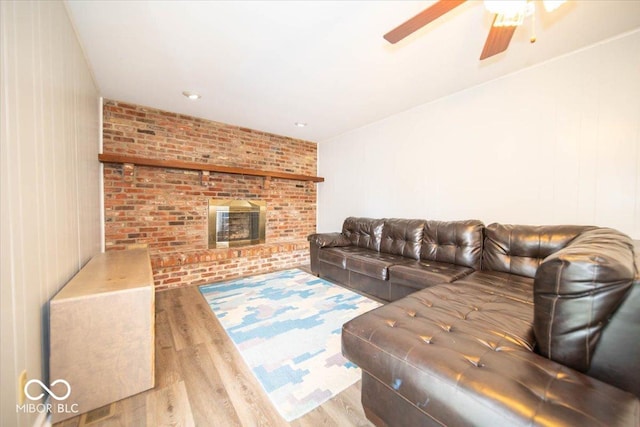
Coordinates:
498 40
420 20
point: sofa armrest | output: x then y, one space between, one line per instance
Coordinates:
576 291
326 240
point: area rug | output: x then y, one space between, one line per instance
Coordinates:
287 327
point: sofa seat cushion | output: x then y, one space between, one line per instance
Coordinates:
441 345
464 356
422 274
337 256
374 264
511 286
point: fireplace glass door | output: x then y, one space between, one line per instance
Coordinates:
236 223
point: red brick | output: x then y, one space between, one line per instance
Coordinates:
167 209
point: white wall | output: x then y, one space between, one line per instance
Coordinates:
50 181
556 143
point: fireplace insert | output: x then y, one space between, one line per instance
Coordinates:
236 222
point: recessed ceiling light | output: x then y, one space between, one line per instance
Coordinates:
300 124
191 95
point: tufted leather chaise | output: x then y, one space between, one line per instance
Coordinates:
498 325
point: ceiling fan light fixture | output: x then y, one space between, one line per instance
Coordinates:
503 20
509 8
551 5
509 13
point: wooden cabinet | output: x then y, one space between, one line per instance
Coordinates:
102 332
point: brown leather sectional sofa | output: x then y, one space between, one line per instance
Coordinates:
500 325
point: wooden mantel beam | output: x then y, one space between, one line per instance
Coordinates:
177 164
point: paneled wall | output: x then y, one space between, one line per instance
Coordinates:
167 209
555 143
50 182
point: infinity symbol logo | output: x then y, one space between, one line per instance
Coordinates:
52 394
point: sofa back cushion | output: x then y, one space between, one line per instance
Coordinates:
402 237
454 242
363 232
519 249
576 292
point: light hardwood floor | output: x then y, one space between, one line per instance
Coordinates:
201 379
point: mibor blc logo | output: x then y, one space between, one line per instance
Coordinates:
49 407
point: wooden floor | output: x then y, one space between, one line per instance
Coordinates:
201 379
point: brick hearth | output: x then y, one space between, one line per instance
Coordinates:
166 209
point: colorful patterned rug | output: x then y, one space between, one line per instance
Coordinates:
287 327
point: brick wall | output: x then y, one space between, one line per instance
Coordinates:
166 209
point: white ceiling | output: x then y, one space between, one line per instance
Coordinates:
267 64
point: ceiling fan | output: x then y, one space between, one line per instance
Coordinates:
508 14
